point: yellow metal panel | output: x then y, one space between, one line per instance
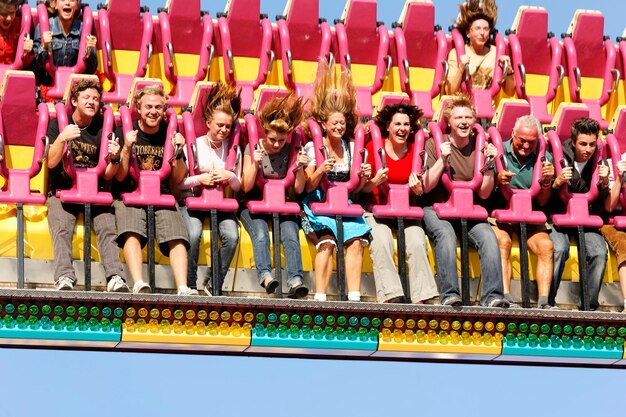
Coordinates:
439 348
149 337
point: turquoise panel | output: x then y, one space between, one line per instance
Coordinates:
571 352
312 343
100 336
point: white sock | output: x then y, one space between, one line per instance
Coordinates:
319 297
354 295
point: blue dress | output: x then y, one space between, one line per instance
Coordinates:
314 225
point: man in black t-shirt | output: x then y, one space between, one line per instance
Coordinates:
82 136
149 136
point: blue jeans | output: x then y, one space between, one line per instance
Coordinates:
229 238
257 228
597 254
481 237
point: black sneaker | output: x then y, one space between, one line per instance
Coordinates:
298 291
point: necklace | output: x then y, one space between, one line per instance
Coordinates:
213 146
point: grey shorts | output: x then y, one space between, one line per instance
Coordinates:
169 225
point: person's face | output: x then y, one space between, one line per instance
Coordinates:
584 147
219 125
478 33
335 125
87 103
524 142
151 111
66 9
274 141
7 16
399 128
461 122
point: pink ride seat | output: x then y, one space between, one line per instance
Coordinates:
25 29
242 35
589 54
520 201
181 32
532 55
460 204
61 75
416 46
22 124
123 26
397 196
194 126
482 99
364 41
303 37
274 190
337 193
149 182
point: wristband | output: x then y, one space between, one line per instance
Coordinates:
116 161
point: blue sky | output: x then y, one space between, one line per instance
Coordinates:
65 383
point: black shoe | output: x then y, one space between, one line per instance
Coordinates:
271 286
298 291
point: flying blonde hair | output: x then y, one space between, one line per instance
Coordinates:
334 94
473 10
282 114
225 98
458 100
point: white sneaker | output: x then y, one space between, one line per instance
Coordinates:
64 283
187 291
117 284
207 291
141 287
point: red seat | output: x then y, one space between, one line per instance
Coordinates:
182 32
61 75
460 204
303 37
396 196
274 190
337 200
417 48
123 29
241 35
590 55
533 59
361 40
194 126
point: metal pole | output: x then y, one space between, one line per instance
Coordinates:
582 268
20 245
524 265
341 277
151 248
277 267
87 246
215 270
465 283
402 261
